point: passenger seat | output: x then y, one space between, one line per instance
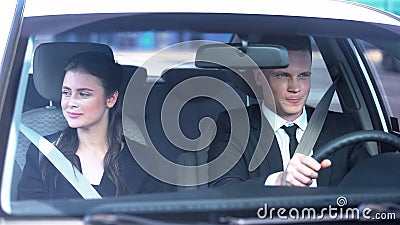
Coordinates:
48 72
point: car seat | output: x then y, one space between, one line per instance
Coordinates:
189 116
132 114
33 99
48 72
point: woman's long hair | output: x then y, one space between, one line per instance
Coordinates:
110 74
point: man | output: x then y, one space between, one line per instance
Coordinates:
286 111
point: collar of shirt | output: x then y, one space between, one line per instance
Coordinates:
277 122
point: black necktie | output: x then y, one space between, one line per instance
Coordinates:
291 131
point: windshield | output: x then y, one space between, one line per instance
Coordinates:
150 114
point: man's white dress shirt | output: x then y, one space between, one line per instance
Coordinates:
282 137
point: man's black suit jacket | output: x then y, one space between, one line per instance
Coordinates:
336 124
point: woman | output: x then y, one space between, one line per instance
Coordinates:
93 140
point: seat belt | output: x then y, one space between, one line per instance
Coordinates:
63 165
316 122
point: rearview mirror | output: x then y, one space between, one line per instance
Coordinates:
265 56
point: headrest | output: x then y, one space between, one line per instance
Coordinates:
49 61
128 72
248 86
177 75
133 97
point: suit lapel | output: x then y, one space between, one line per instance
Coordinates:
274 158
267 156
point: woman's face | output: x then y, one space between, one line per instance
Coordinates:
83 101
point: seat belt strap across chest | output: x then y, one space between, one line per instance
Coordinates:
316 122
61 163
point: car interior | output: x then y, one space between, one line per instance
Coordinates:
171 110
44 115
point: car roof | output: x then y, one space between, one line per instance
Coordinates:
329 9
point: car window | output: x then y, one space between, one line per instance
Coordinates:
178 114
134 48
385 68
320 82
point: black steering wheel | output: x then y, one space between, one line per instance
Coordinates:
356 138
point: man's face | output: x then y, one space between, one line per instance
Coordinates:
290 86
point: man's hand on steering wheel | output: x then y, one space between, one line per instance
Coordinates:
301 170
